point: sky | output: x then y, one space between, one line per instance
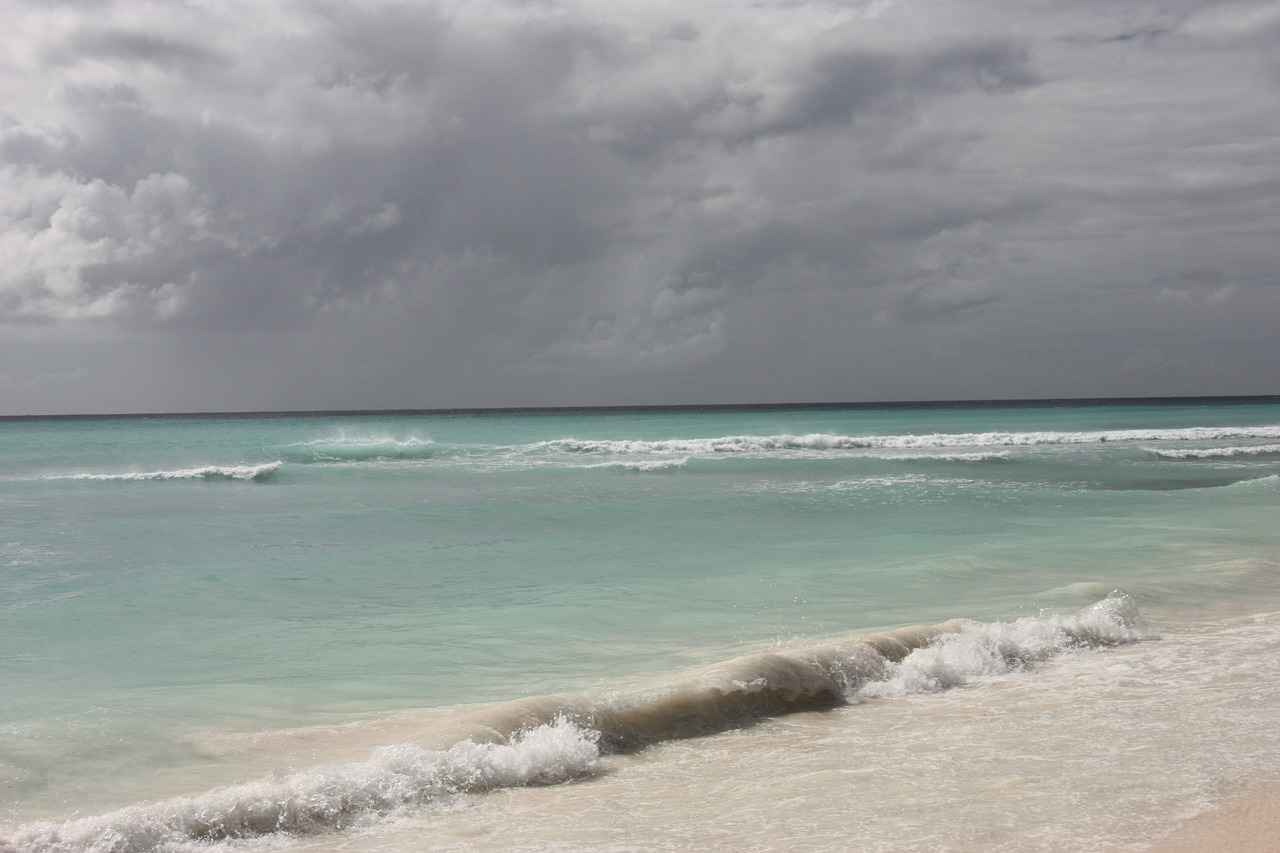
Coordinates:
268 206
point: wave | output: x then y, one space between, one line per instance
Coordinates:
344 448
990 456
254 473
1269 482
933 441
850 670
551 739
646 465
1218 452
326 798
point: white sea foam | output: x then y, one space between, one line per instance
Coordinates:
646 465
933 441
1218 452
984 649
995 456
325 798
206 472
354 448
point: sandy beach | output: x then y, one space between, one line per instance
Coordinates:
1248 823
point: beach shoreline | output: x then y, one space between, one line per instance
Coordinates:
1244 823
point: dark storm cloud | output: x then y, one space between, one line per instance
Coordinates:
189 59
413 204
842 85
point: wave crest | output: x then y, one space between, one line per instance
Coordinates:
254 473
329 797
984 649
823 675
344 448
1218 452
933 441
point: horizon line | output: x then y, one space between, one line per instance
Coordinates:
656 407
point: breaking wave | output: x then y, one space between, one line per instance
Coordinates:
1218 452
326 798
933 441
344 448
646 464
552 739
255 473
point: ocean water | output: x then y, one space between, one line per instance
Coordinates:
1045 626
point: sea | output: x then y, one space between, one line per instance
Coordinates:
1032 626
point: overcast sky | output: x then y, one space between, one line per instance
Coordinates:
212 206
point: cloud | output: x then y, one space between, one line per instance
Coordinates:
78 250
492 203
125 47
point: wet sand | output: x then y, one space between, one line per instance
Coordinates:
1245 824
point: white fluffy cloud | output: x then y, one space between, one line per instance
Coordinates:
81 249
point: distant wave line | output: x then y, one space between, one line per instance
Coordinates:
945 447
933 441
345 448
646 465
369 441
1218 452
255 473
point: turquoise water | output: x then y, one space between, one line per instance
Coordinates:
164 576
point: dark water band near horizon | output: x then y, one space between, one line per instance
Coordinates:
1006 626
